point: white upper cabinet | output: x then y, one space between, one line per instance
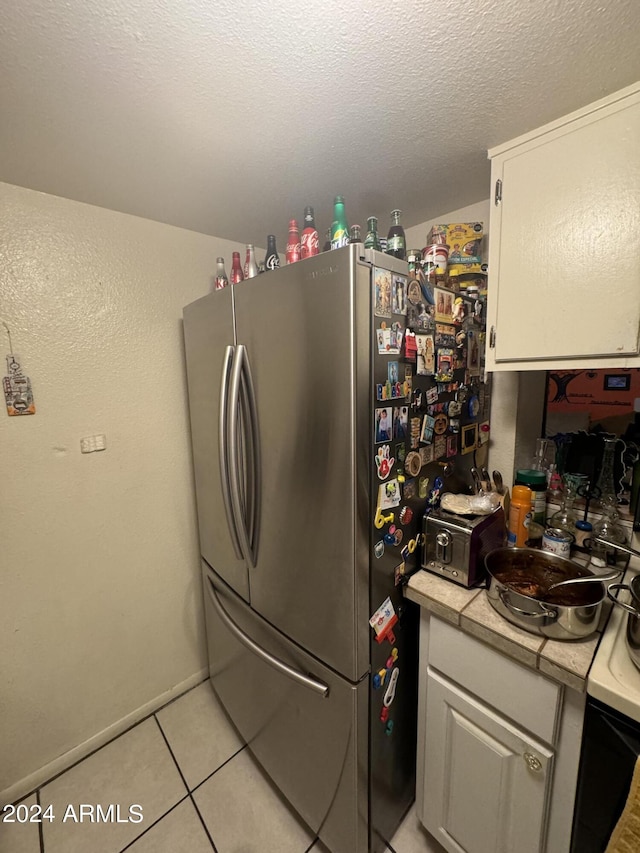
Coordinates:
564 255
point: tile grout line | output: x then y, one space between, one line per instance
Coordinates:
114 738
144 832
40 830
189 793
206 779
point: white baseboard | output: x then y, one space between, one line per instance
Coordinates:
54 768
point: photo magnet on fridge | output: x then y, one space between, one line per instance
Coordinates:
399 295
382 291
426 363
383 424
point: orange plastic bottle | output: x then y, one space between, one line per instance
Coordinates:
519 517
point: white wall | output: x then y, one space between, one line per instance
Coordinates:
100 611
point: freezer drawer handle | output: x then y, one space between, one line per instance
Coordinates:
304 680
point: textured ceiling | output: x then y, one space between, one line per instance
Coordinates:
228 117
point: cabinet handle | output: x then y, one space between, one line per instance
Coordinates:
498 196
532 762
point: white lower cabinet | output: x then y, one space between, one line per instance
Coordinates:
498 748
488 781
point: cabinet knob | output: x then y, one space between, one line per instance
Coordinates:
532 762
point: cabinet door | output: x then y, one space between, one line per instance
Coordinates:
486 783
565 241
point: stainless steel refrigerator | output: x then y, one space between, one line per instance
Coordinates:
302 538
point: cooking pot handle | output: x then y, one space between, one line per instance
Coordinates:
622 604
543 614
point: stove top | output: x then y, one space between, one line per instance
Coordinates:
613 678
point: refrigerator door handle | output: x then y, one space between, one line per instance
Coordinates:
233 440
305 680
255 473
223 450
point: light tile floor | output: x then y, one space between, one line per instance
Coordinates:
198 794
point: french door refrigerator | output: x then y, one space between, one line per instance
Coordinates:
305 534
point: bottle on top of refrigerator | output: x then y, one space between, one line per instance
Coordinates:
396 242
272 259
354 235
236 270
309 242
221 276
327 242
372 240
519 517
292 252
339 227
250 266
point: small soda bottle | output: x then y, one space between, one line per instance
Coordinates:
271 259
327 242
372 241
354 235
221 276
292 253
396 242
250 266
236 269
309 244
339 227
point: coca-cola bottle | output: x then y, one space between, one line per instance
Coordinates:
271 259
339 227
396 242
236 270
310 244
292 252
221 276
250 266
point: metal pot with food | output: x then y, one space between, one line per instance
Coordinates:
633 607
544 593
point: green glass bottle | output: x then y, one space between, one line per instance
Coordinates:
396 242
372 241
339 227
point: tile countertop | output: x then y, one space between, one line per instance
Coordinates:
565 661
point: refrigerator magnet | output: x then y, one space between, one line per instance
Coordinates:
383 422
426 454
400 421
384 461
452 445
409 489
445 335
423 485
444 362
398 578
399 295
388 494
383 620
414 292
413 464
378 549
439 446
432 396
444 305
382 288
393 372
426 363
469 438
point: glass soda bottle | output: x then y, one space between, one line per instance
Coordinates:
310 243
327 242
271 259
236 270
292 252
372 241
339 227
250 266
354 235
221 276
396 242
